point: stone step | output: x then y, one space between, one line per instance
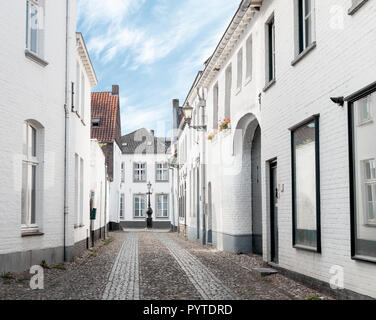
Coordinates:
264 272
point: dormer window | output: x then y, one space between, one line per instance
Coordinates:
95 123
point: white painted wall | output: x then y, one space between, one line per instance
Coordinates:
131 188
30 91
342 63
114 193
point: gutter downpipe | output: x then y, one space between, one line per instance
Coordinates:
105 202
66 142
203 164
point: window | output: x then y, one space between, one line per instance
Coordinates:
139 172
122 170
79 190
162 206
122 196
95 123
364 109
240 69
228 84
83 95
78 88
215 106
306 185
363 175
33 14
139 206
249 58
30 176
162 172
305 18
270 32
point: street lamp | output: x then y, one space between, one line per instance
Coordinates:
149 212
188 112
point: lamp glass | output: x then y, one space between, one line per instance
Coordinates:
188 111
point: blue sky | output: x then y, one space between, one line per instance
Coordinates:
153 49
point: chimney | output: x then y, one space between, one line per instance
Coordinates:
152 132
175 103
115 90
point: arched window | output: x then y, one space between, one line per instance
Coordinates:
31 172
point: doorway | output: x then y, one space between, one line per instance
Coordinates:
273 212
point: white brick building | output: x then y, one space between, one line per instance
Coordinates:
45 80
145 159
284 179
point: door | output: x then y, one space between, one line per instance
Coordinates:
274 211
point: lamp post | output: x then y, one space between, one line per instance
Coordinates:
149 212
188 113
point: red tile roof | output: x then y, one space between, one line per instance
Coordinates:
106 107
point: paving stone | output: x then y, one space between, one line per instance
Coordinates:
206 283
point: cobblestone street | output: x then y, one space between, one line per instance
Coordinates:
156 266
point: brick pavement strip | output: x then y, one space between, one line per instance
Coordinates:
123 282
205 282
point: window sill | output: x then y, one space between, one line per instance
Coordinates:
79 226
33 57
364 259
304 53
364 123
162 181
306 248
356 7
247 81
26 234
162 218
269 85
139 181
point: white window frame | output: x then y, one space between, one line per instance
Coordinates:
228 91
215 106
78 88
161 168
249 59
164 206
271 65
137 197
305 19
30 162
138 169
369 181
29 27
239 81
83 95
121 205
122 170
361 119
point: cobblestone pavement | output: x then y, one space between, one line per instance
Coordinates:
123 283
156 266
206 283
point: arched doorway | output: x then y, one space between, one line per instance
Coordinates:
256 192
247 148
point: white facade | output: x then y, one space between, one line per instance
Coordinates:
46 117
141 163
274 94
131 189
99 188
114 186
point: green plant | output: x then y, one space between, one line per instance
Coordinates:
313 298
44 265
7 276
59 267
225 124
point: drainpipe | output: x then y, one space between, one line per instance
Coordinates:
105 202
66 138
203 163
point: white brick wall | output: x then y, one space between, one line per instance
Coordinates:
342 63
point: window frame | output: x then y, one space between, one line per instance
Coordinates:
158 195
139 195
351 100
139 169
32 161
215 106
122 172
239 68
249 59
38 5
164 168
316 119
122 206
270 52
228 90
